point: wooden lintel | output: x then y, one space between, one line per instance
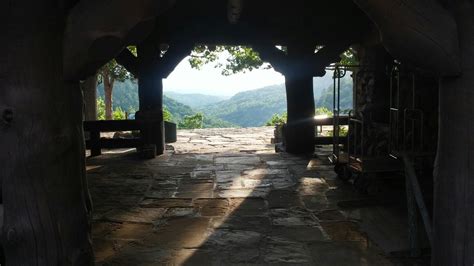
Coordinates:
129 61
273 55
172 57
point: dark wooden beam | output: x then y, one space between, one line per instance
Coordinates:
419 32
312 64
276 57
129 61
172 57
95 33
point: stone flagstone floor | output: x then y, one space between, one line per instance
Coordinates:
224 197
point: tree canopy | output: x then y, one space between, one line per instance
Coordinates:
241 59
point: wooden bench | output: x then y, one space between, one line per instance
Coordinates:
95 143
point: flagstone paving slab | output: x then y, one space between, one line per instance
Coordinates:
224 197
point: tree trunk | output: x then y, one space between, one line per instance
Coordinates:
454 168
89 90
45 199
108 88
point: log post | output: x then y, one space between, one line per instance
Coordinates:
46 204
299 65
152 69
300 129
431 36
150 94
453 221
89 90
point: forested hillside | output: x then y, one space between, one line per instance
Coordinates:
195 100
245 109
255 107
250 108
125 96
326 98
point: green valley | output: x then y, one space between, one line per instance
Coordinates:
245 109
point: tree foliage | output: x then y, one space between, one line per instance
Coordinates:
323 111
113 72
167 116
277 119
349 58
282 118
243 59
100 109
240 59
118 114
108 74
192 121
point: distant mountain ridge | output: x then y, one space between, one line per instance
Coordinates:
195 99
255 107
250 108
125 96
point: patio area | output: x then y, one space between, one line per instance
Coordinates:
224 197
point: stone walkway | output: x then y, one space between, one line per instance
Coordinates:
224 197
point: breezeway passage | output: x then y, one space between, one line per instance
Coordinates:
224 197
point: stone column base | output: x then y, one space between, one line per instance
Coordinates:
153 129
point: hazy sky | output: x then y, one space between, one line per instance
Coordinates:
209 80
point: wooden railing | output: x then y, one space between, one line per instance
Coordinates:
329 121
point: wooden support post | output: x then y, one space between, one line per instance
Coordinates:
44 189
89 90
300 130
95 141
150 93
299 66
152 69
453 218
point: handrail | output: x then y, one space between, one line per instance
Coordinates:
412 180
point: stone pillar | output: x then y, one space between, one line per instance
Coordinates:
300 130
150 93
372 96
372 81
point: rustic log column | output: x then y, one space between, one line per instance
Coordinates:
453 225
89 90
299 65
441 39
300 129
151 67
150 94
46 204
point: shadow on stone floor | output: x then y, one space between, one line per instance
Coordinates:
242 205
